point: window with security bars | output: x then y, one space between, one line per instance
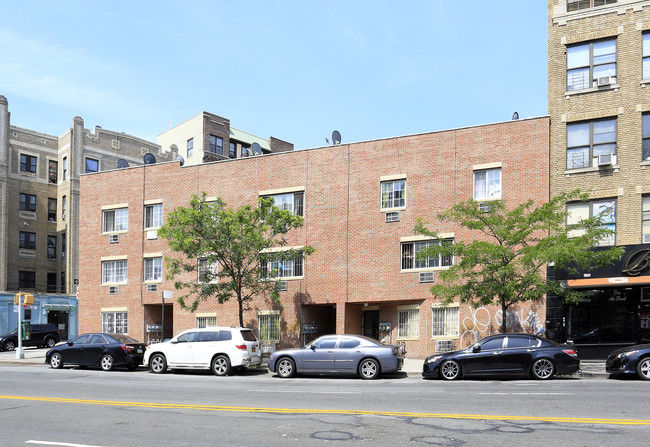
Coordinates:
411 260
444 322
269 327
575 5
206 322
283 268
115 322
408 323
293 202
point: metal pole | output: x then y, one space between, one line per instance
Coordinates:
162 335
19 352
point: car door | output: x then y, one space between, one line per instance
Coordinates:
206 345
181 350
93 350
319 356
73 351
516 355
347 355
484 357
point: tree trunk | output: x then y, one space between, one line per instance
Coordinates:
504 309
241 311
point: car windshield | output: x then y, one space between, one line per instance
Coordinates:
14 332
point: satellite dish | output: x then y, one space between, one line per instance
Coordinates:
515 116
122 163
256 149
336 137
181 159
149 158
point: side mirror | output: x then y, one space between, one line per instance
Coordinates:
70 343
476 349
312 347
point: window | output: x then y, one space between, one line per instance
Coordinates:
206 272
574 5
283 268
293 202
190 147
65 168
63 245
411 260
216 144
393 194
51 247
64 207
26 280
92 165
646 55
233 150
444 322
646 137
51 282
245 152
153 216
206 321
586 141
51 209
408 323
27 240
646 219
487 184
63 282
115 220
606 208
153 269
591 64
53 171
269 325
114 272
27 202
28 163
115 322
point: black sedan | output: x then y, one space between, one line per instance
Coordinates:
504 355
630 360
98 350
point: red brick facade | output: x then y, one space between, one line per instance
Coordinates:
356 267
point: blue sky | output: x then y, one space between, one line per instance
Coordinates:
296 70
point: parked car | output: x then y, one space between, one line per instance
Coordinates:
40 335
505 355
338 354
217 348
97 350
631 360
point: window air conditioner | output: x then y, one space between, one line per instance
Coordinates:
444 345
604 80
646 238
113 238
281 286
152 287
393 216
152 234
113 290
426 276
605 159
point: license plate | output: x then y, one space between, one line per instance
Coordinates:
253 350
139 351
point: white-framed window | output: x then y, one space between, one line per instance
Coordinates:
115 220
646 55
587 140
588 64
575 5
115 322
114 272
206 321
190 147
645 213
153 216
645 139
206 271
410 259
444 321
64 168
153 269
393 194
292 201
64 207
269 325
408 322
487 184
276 268
606 208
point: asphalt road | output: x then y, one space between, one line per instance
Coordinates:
85 407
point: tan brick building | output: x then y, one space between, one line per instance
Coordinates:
599 104
360 202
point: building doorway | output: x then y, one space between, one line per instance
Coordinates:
59 318
370 326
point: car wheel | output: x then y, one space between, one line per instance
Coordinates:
9 345
643 368
369 369
49 342
106 362
221 365
158 364
56 361
450 370
285 367
543 369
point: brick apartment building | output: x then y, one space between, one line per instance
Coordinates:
362 275
599 105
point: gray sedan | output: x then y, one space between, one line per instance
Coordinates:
338 354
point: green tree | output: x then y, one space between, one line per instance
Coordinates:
237 242
505 263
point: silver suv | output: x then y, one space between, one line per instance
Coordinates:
220 349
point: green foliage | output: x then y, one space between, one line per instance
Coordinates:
505 262
235 240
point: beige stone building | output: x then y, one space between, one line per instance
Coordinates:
599 104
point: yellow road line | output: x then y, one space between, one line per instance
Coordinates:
575 420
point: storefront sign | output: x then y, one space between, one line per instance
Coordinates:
637 262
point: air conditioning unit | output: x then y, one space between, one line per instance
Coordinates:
281 286
152 234
427 276
113 290
113 238
646 238
605 159
605 80
484 207
444 345
393 216
152 287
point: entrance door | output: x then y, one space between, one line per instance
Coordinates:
371 324
59 318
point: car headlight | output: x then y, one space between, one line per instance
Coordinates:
434 359
625 354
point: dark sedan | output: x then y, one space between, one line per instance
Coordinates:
97 350
505 355
338 354
630 360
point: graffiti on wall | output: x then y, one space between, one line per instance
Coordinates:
480 323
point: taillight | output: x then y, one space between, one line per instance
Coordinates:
127 348
242 347
571 352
